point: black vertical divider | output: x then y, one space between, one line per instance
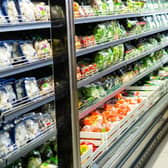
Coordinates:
62 30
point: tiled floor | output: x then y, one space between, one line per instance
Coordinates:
160 157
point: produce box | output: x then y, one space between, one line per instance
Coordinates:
85 158
119 127
101 148
152 92
99 151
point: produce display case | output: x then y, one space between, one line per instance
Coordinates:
88 47
93 81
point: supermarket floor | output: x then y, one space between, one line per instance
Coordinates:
160 157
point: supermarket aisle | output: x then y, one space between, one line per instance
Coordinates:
160 157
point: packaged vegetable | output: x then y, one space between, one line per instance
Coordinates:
100 33
27 88
6 144
31 87
21 136
49 108
44 120
43 49
2 17
88 10
27 10
9 86
4 100
16 55
99 6
35 160
9 10
32 128
42 11
46 85
5 62
28 51
110 5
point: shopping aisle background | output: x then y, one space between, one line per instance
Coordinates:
160 157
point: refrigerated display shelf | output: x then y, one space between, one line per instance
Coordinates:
95 48
24 150
118 153
28 106
24 26
112 68
25 67
98 103
115 17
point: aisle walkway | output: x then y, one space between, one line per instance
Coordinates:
160 157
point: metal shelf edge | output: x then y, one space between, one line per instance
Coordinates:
24 68
24 26
84 51
114 17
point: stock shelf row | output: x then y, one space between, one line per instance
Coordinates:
112 68
24 150
116 16
98 103
95 48
118 154
23 26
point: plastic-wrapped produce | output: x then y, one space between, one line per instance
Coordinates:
28 51
43 48
130 51
35 160
118 52
49 108
4 100
42 12
9 86
44 120
27 87
13 47
9 9
6 145
5 56
101 59
32 128
2 17
46 85
21 136
31 87
99 6
27 10
100 33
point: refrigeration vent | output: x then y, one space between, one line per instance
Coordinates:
152 147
